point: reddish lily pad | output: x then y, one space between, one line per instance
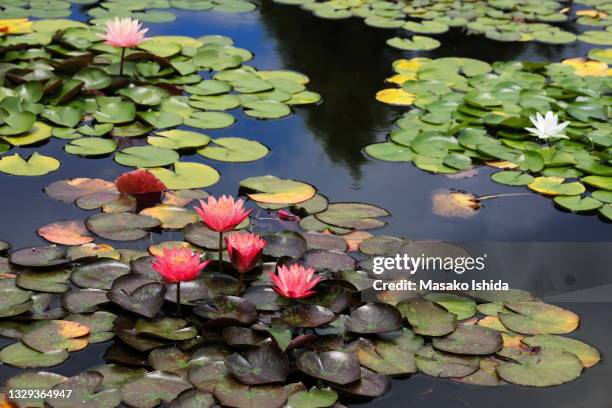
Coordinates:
334 261
40 257
226 310
264 365
84 300
121 226
99 274
370 385
70 190
66 233
470 339
374 318
334 366
139 295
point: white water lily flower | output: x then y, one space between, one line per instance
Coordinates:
548 126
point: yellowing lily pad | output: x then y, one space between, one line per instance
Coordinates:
35 165
274 190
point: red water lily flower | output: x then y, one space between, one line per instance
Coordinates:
222 215
139 182
294 281
178 265
244 249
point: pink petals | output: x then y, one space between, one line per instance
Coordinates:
295 281
222 215
124 32
244 250
178 265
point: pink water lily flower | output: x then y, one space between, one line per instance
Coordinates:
178 265
294 281
124 32
222 215
244 249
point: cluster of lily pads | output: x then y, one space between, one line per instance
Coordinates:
150 11
59 80
241 344
499 20
466 112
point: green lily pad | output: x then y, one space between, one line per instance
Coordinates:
470 339
316 397
231 392
178 139
149 390
91 146
234 150
167 328
35 165
427 318
20 355
512 178
577 203
460 306
358 216
415 43
56 335
588 355
187 176
395 356
389 151
146 156
444 365
210 120
266 109
32 380
538 318
542 369
99 274
114 110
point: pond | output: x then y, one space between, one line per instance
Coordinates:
323 145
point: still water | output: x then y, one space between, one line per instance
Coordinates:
347 62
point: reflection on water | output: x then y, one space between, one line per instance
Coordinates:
347 62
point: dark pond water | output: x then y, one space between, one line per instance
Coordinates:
347 63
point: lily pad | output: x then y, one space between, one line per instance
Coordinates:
121 226
146 156
374 318
427 318
234 150
470 339
264 365
35 165
274 190
334 366
588 355
538 318
149 390
541 369
139 295
56 335
22 356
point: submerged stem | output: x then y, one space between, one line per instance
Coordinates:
491 196
121 63
178 298
220 251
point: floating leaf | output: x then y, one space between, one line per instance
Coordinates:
334 366
538 318
149 390
470 339
121 226
187 176
146 156
178 139
541 369
264 365
56 335
91 146
427 318
234 150
35 165
274 190
66 233
588 355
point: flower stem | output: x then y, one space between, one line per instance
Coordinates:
178 298
220 252
121 63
